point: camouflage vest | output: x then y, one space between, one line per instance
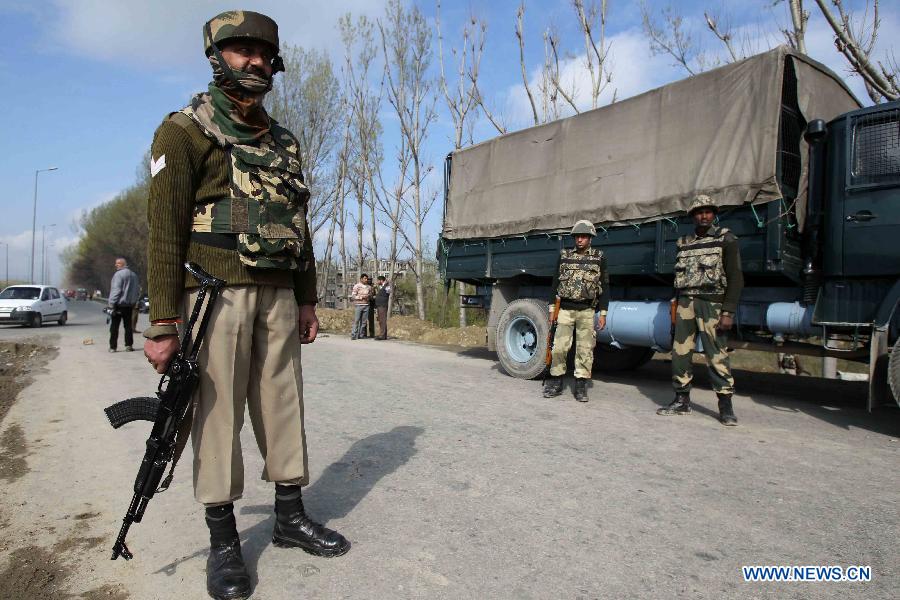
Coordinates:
699 263
267 204
579 275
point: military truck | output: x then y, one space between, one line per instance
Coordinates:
805 177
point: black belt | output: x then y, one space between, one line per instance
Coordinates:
225 241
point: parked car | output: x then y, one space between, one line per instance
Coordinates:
81 294
69 294
33 305
143 304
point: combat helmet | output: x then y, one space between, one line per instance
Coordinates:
701 201
584 227
233 24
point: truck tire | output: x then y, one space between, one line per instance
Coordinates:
608 359
522 338
894 371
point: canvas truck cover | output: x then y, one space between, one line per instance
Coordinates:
643 158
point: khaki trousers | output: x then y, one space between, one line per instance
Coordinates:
577 324
250 356
697 317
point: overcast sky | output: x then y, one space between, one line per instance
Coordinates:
88 81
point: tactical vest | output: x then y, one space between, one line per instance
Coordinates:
700 264
267 204
580 275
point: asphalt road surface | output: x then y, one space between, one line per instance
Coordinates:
454 480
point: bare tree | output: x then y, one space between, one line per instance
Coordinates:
595 46
520 35
856 41
462 102
306 101
406 43
672 37
796 36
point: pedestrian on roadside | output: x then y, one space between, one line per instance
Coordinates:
708 284
382 299
582 286
212 162
359 296
124 291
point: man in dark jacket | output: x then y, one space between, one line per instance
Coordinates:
382 297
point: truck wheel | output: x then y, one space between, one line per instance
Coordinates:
522 338
608 359
894 371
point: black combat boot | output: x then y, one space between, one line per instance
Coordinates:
293 529
552 386
580 390
726 412
681 405
226 574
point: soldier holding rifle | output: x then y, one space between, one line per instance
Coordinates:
582 286
227 193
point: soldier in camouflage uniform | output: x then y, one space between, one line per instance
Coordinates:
227 192
708 284
582 285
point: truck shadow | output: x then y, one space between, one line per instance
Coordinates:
339 489
840 403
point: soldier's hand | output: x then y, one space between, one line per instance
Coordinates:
308 323
726 321
601 323
160 351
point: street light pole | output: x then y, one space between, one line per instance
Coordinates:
44 251
34 216
6 280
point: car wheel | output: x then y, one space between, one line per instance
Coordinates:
63 318
36 320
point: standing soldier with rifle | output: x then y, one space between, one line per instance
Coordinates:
708 284
582 287
227 193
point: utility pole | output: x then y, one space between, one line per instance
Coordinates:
6 280
44 251
34 217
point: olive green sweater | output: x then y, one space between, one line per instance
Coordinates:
197 171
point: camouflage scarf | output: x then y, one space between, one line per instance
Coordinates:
227 119
255 84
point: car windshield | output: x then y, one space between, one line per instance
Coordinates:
20 293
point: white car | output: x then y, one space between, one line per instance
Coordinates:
32 305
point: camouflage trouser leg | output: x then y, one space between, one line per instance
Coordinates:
699 317
580 325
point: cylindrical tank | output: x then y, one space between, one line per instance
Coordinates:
646 324
791 318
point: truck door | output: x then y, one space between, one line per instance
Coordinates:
871 212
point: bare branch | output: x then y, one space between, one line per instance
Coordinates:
520 35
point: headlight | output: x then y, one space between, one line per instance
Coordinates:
24 309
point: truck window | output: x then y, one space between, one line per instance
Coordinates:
876 149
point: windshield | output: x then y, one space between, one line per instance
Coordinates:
20 293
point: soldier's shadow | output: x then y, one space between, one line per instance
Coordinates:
339 489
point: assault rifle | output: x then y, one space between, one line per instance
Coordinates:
167 410
551 335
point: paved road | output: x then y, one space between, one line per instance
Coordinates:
456 481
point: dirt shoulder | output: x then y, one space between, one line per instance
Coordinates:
32 572
407 328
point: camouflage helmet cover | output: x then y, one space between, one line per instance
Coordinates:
701 201
584 227
240 24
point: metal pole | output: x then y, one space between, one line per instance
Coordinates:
44 252
34 217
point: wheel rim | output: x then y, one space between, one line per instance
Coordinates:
521 339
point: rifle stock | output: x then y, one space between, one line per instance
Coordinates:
551 334
167 411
